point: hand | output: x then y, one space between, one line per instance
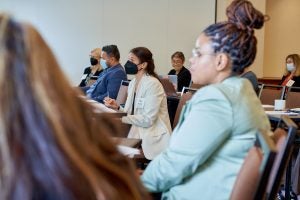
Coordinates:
111 103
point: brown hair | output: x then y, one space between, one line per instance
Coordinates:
50 147
235 37
296 61
178 54
145 55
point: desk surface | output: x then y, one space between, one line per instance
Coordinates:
277 117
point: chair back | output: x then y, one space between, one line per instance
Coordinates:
260 88
122 94
252 179
284 145
292 100
269 93
184 98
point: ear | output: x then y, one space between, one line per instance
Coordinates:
222 61
144 65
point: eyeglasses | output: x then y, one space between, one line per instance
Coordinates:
196 53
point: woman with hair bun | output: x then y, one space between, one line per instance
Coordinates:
218 125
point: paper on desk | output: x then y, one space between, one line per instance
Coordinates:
280 113
128 151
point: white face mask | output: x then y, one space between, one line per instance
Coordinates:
103 63
290 67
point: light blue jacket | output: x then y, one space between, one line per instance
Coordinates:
207 148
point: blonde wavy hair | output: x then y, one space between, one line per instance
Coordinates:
49 143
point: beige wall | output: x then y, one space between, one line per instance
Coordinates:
281 35
74 27
257 66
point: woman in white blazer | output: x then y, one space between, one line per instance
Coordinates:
146 104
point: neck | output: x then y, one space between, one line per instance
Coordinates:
139 75
221 77
114 63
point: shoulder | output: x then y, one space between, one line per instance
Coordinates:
172 72
151 82
97 73
228 90
185 71
117 70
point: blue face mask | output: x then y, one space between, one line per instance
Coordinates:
103 63
290 67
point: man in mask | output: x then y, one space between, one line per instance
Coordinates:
108 83
92 72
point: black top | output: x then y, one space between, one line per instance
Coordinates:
88 72
183 78
253 79
296 84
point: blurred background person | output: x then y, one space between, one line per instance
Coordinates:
109 81
292 70
219 124
92 72
50 148
146 104
183 74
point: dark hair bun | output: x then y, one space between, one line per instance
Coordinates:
244 15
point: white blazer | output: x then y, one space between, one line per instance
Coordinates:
150 121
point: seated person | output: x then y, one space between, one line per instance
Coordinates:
94 70
183 74
50 149
248 74
292 70
146 104
218 125
109 81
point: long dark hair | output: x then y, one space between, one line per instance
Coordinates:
235 37
145 55
50 146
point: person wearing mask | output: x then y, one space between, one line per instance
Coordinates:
146 104
92 72
109 81
183 74
219 124
50 148
292 71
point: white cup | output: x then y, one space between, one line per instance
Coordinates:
279 104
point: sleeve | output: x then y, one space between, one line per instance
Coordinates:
152 101
171 72
112 84
204 129
82 83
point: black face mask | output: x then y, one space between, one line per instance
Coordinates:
94 61
130 68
